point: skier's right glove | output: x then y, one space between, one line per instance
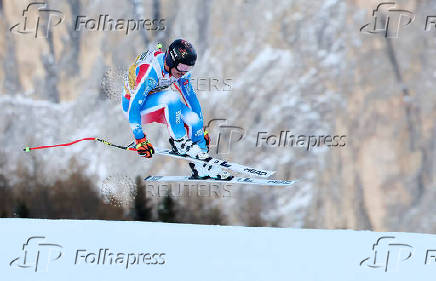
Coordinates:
144 147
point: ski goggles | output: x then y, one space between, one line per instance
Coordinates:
183 67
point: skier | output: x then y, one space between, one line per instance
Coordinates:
152 90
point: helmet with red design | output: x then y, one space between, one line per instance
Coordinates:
181 55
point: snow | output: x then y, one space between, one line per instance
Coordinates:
69 250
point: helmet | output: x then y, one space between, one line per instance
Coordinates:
180 51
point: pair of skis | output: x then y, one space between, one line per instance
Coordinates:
238 168
234 167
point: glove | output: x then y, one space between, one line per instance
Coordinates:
144 148
207 139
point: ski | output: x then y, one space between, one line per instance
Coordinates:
268 182
221 163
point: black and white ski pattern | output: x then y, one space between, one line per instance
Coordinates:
221 163
269 182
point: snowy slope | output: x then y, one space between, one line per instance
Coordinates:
82 250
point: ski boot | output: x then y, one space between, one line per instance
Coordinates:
185 146
207 171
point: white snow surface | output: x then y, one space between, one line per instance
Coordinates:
113 250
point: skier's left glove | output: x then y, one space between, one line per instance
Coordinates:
144 148
207 139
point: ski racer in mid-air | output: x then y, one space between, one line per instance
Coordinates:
158 89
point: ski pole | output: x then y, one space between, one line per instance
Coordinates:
28 148
127 147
